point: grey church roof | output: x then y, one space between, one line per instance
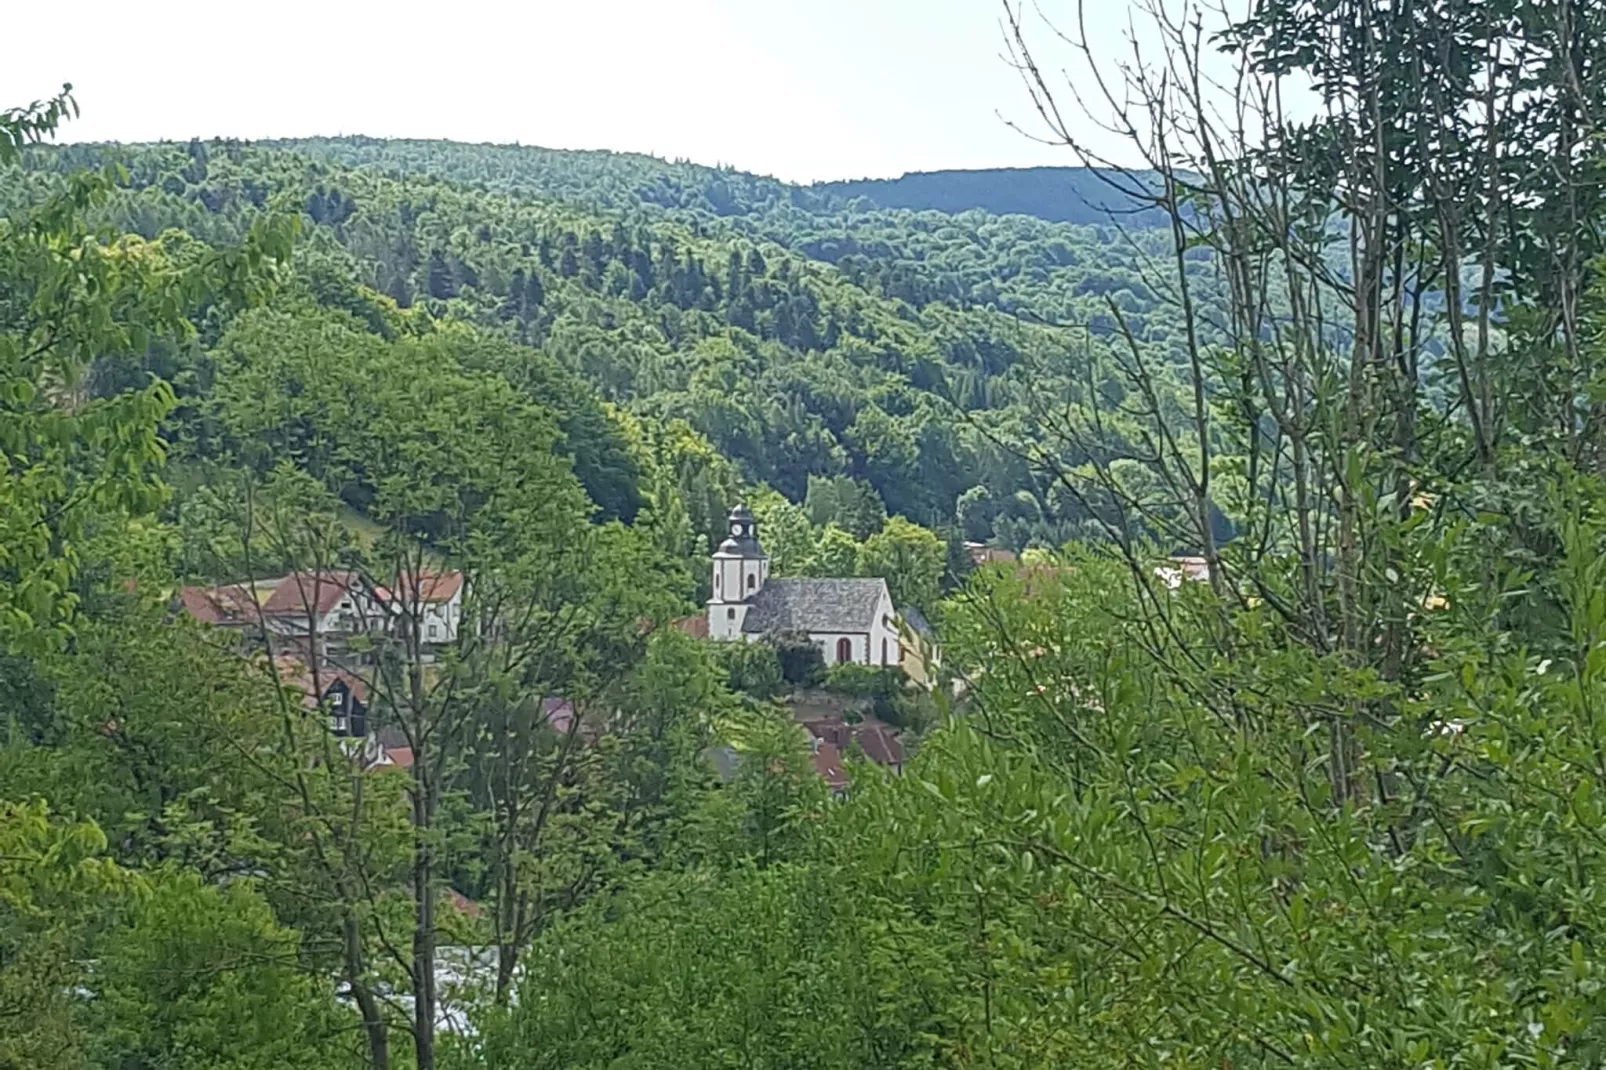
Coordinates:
813 606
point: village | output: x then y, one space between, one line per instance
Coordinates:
315 631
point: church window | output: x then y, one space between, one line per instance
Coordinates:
844 650
752 581
730 614
883 651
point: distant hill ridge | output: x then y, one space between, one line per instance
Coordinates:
1076 195
1055 194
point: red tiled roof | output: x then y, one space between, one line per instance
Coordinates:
301 593
432 586
695 626
400 757
828 763
880 744
230 604
832 730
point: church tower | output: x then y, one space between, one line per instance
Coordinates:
740 569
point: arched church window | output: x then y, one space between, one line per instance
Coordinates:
730 614
883 651
752 581
844 650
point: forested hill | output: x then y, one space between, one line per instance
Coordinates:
1056 194
802 336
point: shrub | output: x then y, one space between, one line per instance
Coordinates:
753 669
802 663
884 686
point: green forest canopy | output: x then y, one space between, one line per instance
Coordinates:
801 335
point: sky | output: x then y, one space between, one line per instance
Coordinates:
804 90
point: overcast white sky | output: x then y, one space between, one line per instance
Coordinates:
801 89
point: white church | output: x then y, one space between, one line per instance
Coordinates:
850 619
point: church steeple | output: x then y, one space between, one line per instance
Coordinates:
740 569
743 539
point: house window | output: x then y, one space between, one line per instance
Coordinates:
434 631
844 650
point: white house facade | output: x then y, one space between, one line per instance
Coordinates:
849 619
437 599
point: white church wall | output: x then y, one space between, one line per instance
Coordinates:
884 633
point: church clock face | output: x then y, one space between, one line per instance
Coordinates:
736 529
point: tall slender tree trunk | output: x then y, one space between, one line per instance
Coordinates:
423 923
373 1023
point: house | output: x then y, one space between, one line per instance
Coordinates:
920 656
832 737
317 611
880 744
437 600
848 619
982 554
342 695
1182 569
234 610
329 606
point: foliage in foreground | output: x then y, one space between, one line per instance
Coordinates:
1100 867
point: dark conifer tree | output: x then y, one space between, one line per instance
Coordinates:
438 278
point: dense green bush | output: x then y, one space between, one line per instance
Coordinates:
802 661
753 669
